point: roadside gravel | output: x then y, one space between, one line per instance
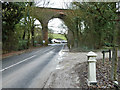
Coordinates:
71 72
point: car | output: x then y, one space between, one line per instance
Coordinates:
64 41
56 41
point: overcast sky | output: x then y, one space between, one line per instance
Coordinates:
53 3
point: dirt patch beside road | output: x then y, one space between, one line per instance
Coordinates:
65 75
72 72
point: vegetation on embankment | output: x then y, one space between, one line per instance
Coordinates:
92 25
60 36
19 30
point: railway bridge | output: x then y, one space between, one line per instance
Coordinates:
44 15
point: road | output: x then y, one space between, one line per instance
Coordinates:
30 70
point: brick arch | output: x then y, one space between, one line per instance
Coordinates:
44 15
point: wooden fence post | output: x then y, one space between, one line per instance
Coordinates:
114 64
109 54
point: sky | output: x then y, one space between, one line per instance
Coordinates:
53 3
54 24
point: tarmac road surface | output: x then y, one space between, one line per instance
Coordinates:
30 70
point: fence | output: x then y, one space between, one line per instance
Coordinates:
113 58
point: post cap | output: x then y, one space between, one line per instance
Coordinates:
92 54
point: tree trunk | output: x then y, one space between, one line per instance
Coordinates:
28 43
32 32
24 35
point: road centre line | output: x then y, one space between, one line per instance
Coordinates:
37 52
23 60
18 63
44 51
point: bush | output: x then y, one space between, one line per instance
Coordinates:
22 44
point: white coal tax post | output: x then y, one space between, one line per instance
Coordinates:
91 68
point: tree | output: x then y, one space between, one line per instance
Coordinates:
29 22
12 13
96 20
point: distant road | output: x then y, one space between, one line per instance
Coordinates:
30 70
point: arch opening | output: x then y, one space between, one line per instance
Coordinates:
57 30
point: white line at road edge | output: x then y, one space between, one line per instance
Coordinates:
17 63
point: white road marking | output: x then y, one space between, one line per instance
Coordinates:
24 60
37 51
18 63
44 51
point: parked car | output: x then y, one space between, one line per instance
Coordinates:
56 41
64 41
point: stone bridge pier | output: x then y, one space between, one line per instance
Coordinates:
45 32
